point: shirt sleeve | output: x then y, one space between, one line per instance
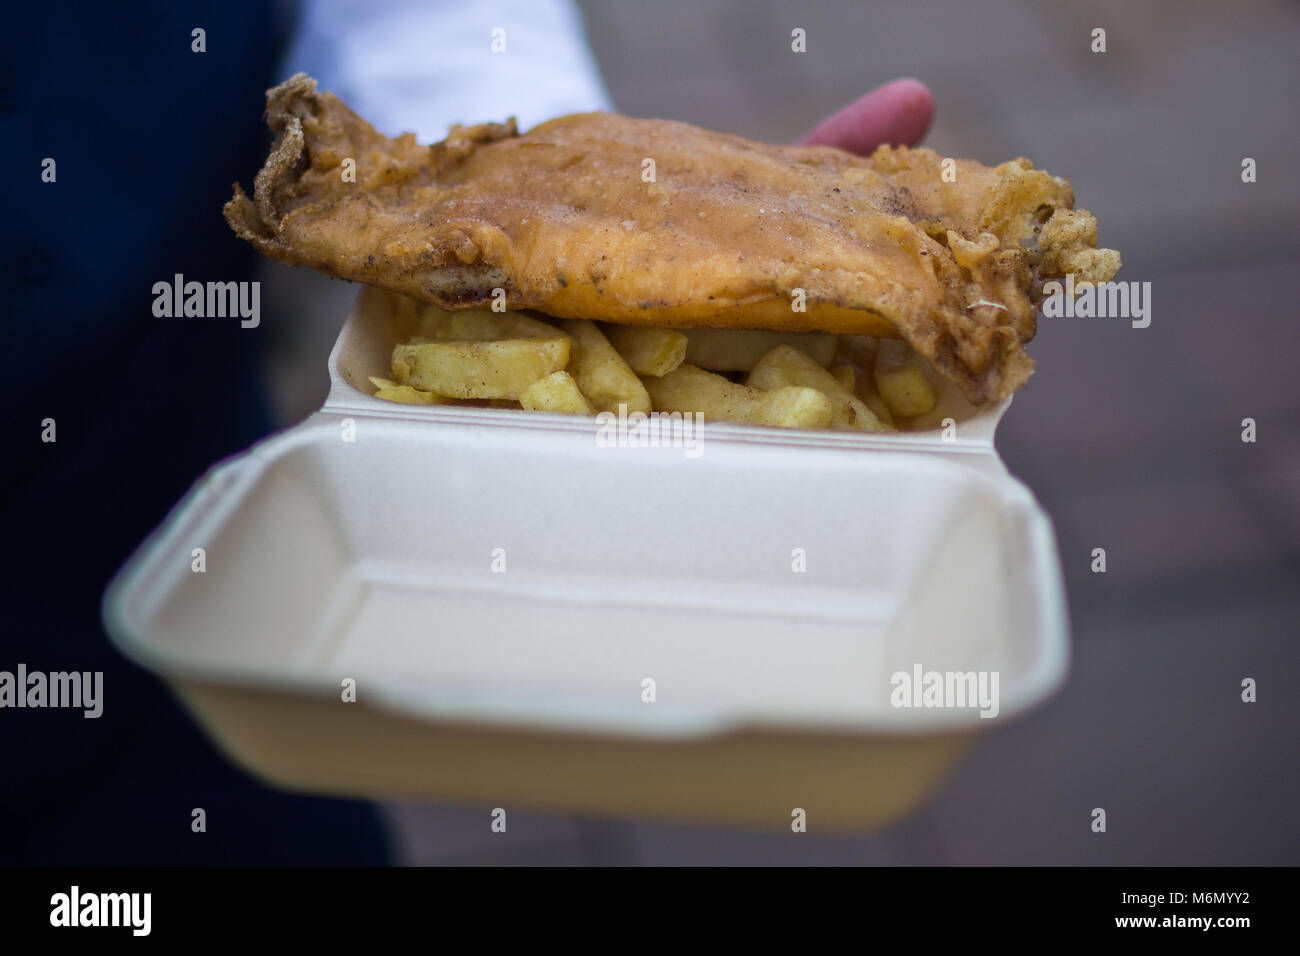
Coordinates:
421 65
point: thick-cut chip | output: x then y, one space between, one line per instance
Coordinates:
738 350
786 365
558 392
478 325
901 381
793 406
602 375
689 388
648 351
858 354
867 394
390 391
406 315
479 369
847 378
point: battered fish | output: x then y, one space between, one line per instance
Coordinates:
651 222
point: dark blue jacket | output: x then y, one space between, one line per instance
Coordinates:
148 137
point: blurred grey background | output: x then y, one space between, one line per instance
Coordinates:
1130 438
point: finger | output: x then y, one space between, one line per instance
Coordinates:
898 113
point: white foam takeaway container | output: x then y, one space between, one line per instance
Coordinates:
500 586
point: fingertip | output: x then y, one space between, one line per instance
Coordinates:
916 112
913 88
898 113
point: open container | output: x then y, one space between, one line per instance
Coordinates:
499 586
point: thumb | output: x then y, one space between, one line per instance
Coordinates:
898 113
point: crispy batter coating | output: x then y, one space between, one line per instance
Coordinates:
568 220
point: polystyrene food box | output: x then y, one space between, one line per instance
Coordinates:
499 588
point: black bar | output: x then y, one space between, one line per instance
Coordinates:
323 904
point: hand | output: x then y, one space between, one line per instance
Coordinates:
897 113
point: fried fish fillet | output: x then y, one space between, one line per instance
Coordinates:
651 222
